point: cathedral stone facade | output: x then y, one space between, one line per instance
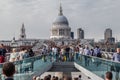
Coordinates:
60 27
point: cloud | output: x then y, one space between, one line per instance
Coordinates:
94 16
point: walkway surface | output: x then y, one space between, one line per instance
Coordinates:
61 69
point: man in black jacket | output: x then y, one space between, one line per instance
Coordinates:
8 70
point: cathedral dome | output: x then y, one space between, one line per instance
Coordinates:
61 19
60 27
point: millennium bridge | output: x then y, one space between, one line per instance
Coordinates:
89 67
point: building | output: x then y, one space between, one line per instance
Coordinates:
72 35
80 33
22 33
111 40
21 42
60 27
107 34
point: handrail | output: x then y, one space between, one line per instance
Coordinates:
28 65
81 54
99 66
101 58
24 59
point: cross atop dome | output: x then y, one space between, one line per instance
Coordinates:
60 9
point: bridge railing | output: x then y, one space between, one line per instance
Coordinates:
99 66
28 67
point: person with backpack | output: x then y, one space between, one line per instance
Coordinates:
97 52
26 54
31 53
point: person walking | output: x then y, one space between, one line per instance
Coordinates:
116 58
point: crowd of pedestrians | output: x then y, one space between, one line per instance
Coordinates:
69 52
22 54
49 77
15 54
59 53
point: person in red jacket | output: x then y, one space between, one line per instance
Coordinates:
2 59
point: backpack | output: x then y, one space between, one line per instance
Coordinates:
26 55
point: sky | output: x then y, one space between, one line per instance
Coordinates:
93 16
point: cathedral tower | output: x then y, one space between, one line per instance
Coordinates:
22 33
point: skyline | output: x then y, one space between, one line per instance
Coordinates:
38 15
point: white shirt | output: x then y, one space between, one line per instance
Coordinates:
80 50
21 55
13 56
87 52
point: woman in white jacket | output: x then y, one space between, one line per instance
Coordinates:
14 55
